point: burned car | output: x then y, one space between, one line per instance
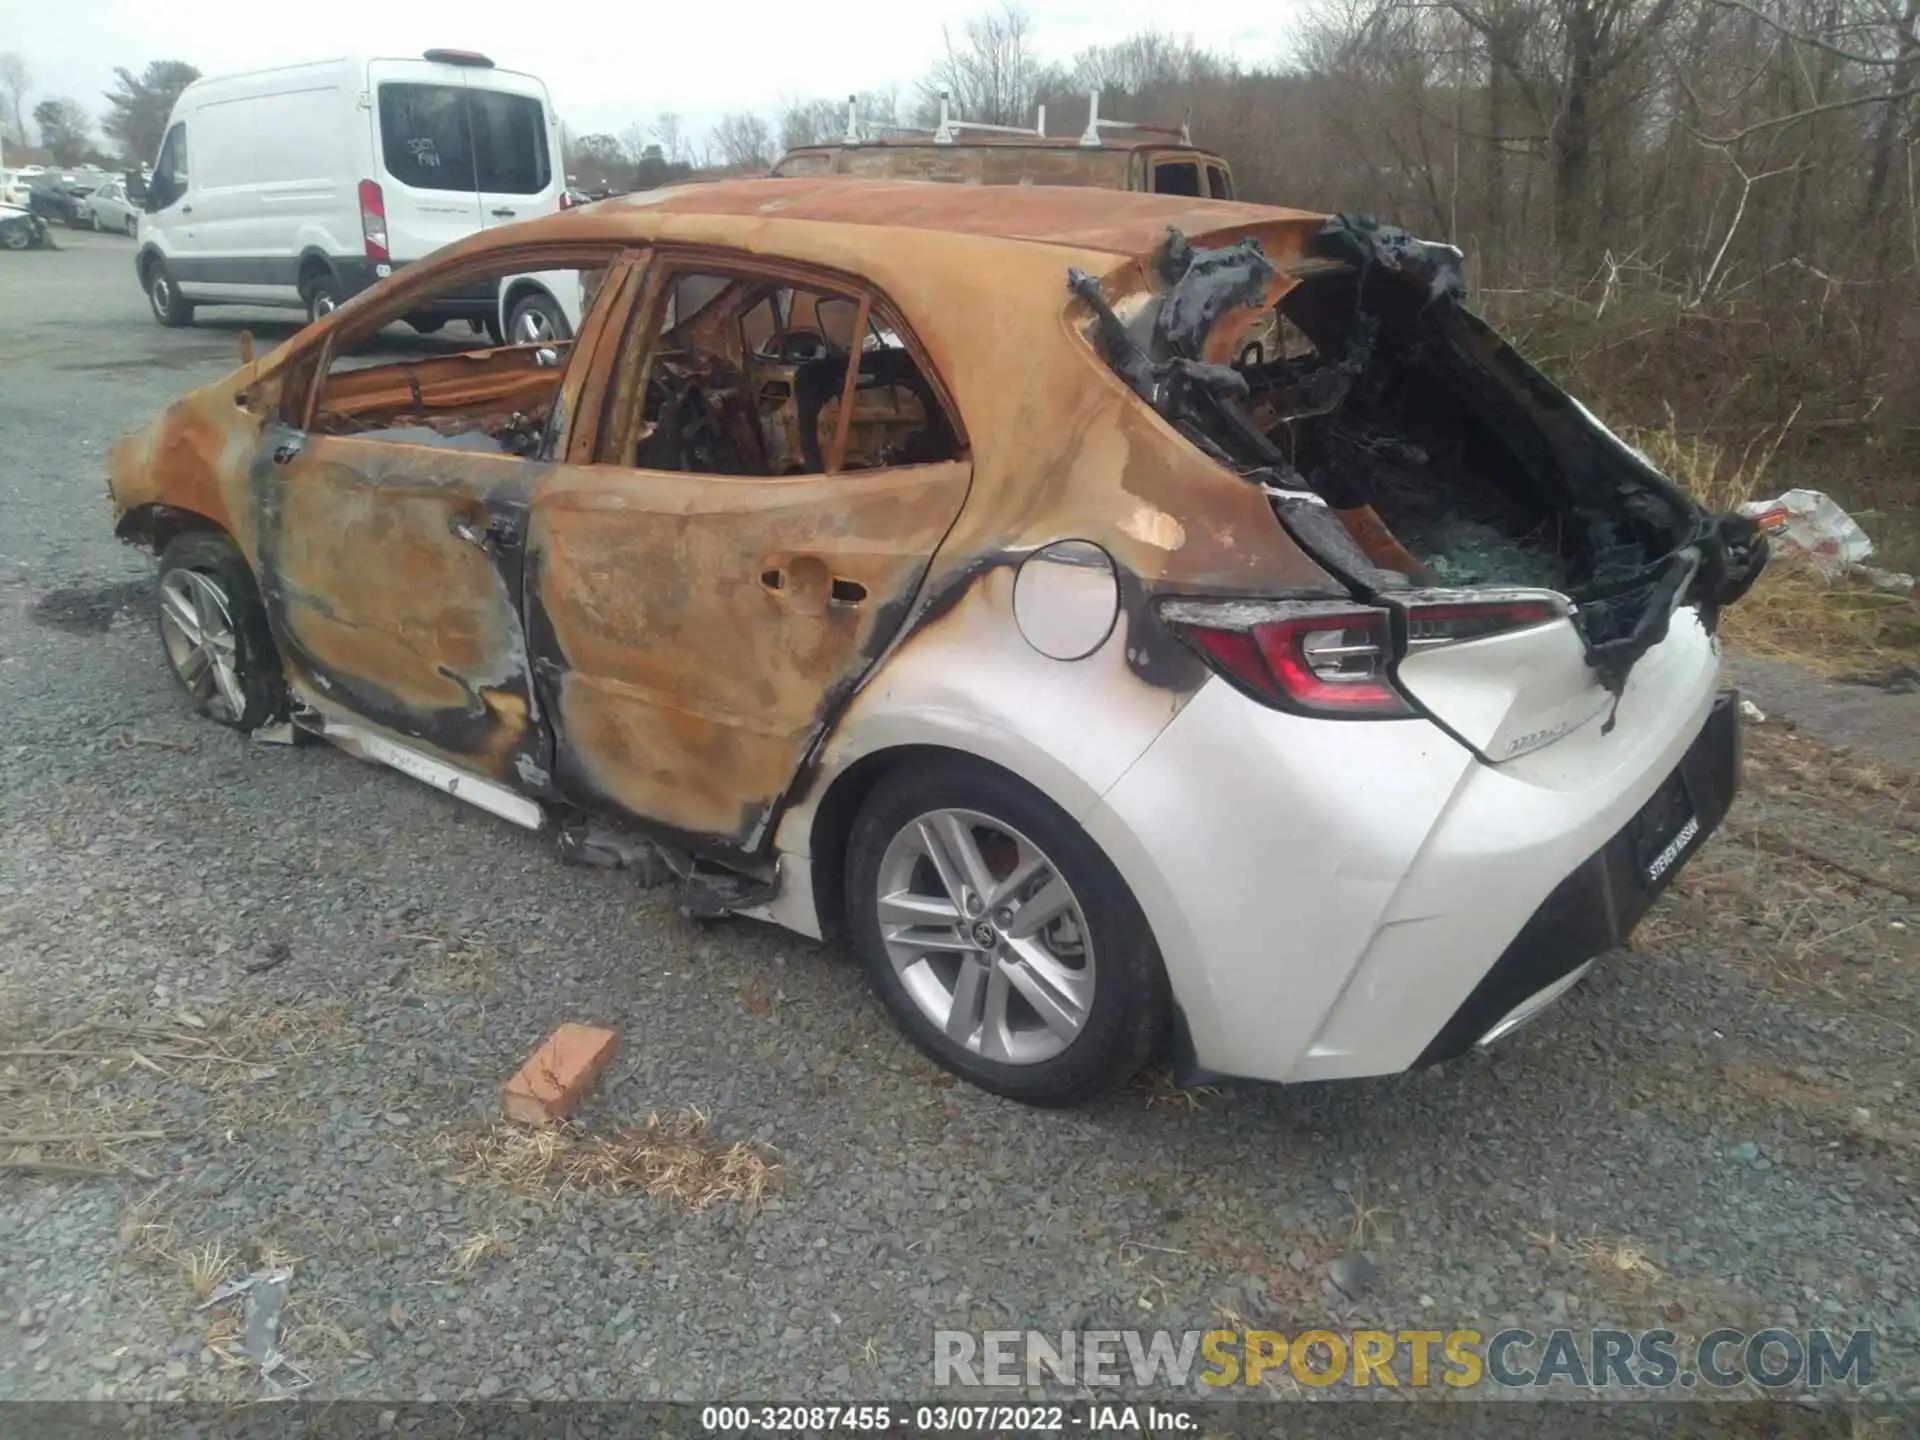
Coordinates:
1130 621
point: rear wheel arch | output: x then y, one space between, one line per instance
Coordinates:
153 526
149 257
313 264
831 826
519 291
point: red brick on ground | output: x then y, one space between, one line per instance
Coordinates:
558 1075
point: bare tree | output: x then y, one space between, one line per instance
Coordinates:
670 134
65 129
138 106
635 141
991 72
15 80
743 141
810 122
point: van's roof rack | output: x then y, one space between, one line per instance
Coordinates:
1091 136
950 130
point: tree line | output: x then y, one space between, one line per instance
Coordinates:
1737 181
131 124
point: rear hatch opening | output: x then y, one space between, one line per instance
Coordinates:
1451 487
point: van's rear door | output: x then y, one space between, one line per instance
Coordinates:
423 144
517 167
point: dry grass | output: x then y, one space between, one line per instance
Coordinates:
89 1098
1160 1091
1832 627
1621 1259
670 1158
476 1248
204 1266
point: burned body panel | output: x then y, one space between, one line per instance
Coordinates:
1416 424
391 575
695 633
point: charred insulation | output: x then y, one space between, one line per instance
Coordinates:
1405 444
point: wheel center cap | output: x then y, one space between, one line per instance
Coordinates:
984 935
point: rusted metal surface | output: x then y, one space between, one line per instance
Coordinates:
1119 162
669 646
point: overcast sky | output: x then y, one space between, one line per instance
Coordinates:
606 65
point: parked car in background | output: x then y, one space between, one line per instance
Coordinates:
1287 674
21 229
109 208
302 186
16 185
1108 155
56 194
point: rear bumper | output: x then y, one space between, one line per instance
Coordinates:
1327 895
1596 907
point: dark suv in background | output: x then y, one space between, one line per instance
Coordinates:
56 194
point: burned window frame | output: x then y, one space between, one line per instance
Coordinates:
291 392
625 391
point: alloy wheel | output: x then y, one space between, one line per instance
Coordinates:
196 625
533 327
986 936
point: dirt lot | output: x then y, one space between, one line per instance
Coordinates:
269 994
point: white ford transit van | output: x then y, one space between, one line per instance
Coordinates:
303 185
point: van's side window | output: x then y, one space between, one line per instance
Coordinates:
169 181
1218 186
1177 177
509 142
424 136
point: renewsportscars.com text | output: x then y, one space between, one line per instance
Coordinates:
1458 1359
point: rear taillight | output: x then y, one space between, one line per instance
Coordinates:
1311 657
1447 622
373 220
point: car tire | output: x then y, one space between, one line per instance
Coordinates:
214 632
16 236
133 225
1092 967
537 320
169 308
427 324
325 294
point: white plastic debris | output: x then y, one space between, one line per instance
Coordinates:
264 1296
1897 581
1751 711
1810 522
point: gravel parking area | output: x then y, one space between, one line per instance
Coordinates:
262 999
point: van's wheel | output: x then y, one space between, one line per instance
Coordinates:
213 630
168 306
537 320
325 294
999 937
427 324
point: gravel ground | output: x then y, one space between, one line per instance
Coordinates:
312 975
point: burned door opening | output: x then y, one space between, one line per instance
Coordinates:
1406 445
392 577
